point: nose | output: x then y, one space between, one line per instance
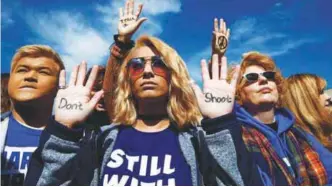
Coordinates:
31 76
148 72
262 79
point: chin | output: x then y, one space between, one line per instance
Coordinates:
25 99
149 96
267 102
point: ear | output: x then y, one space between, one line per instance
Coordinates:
100 107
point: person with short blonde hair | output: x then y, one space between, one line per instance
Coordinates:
304 96
32 87
34 51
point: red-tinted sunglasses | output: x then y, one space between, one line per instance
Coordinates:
136 66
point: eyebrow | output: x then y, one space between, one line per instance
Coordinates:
39 68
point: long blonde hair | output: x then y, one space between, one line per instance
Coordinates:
301 96
182 106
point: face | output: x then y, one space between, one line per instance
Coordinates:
34 79
325 100
261 92
153 81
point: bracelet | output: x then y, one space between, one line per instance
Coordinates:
123 46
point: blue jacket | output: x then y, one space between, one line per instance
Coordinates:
285 121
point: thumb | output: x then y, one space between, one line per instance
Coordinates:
140 21
95 99
197 90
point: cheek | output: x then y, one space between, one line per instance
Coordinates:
48 84
322 99
13 83
248 92
275 90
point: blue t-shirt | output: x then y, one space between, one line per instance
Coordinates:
21 142
140 158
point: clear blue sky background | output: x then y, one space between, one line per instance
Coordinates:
297 34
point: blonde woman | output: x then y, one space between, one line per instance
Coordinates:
304 96
152 139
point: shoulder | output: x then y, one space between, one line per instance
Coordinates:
5 116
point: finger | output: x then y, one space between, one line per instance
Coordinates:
95 99
93 75
62 78
116 48
121 13
215 67
205 72
115 53
81 74
139 10
227 34
223 74
140 21
216 25
197 90
131 7
224 27
235 77
127 7
221 25
73 76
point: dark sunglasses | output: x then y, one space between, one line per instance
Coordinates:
329 102
252 77
136 66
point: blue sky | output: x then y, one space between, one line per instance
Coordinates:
297 34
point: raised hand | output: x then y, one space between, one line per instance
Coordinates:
220 37
73 103
217 97
129 21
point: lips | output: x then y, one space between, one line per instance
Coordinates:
28 86
148 83
265 90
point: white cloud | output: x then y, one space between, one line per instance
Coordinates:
151 9
6 18
278 4
75 39
68 33
251 34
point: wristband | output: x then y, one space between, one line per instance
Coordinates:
123 46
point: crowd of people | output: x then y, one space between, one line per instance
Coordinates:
142 120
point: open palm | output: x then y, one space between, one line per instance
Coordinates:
129 21
220 37
217 97
73 103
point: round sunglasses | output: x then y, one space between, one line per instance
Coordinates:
136 66
253 77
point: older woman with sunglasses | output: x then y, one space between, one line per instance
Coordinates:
283 152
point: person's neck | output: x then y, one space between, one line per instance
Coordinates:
152 116
34 116
264 114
